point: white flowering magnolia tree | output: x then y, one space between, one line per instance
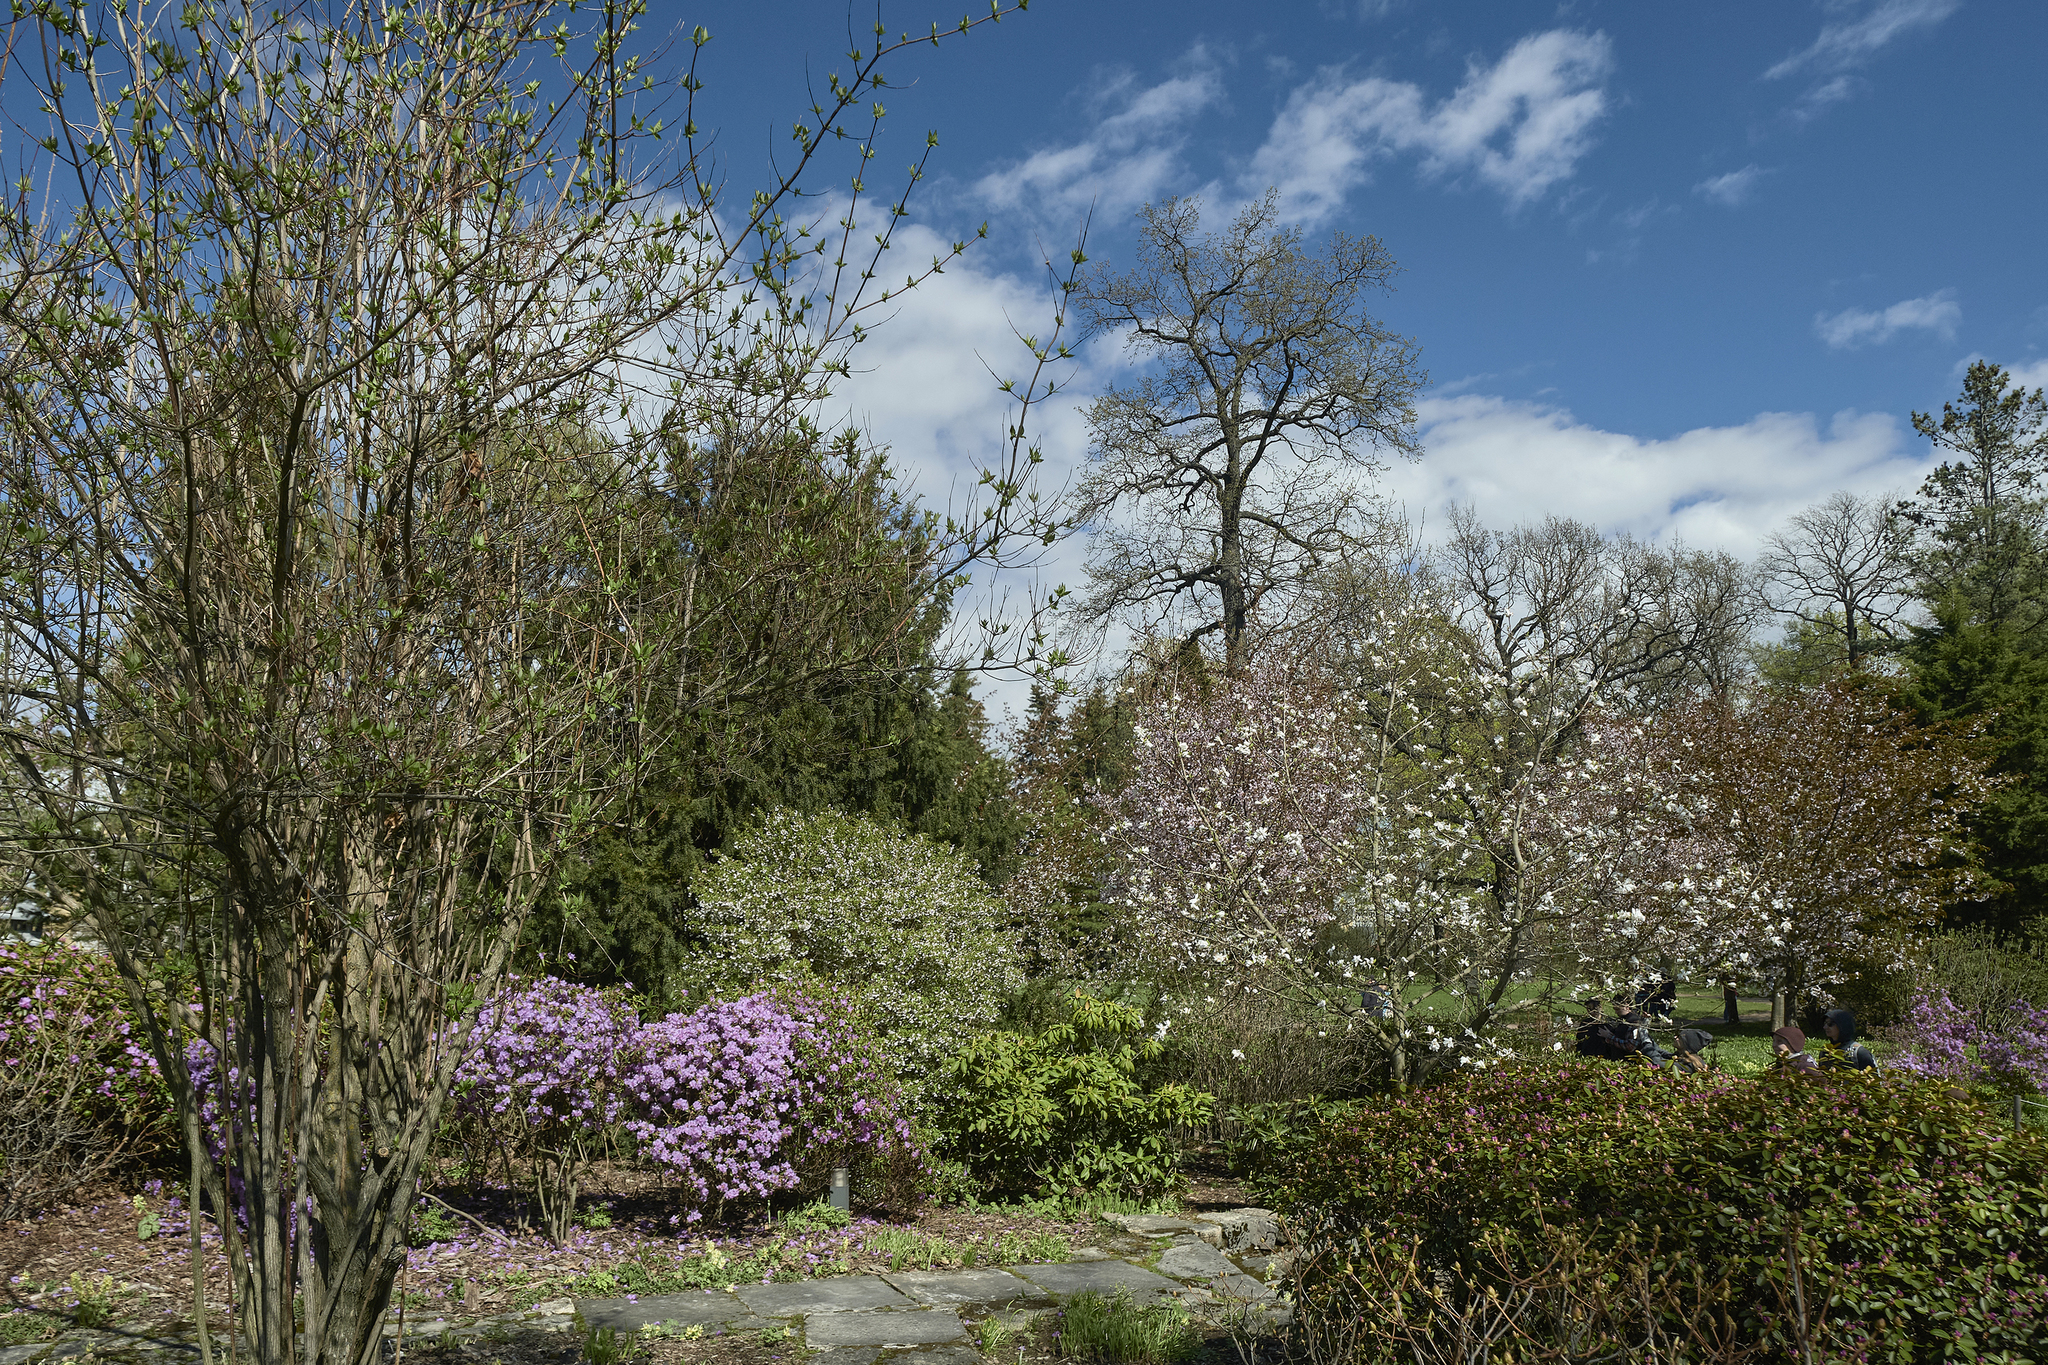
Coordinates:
1417 818
899 923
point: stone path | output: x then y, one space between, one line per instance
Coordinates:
1210 1262
923 1317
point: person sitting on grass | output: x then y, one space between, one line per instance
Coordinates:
1844 1052
1692 1046
1632 1031
1788 1045
1597 1037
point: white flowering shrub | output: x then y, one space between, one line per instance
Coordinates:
900 922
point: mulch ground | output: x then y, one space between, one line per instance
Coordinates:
492 1263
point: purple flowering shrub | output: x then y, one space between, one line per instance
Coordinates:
543 1078
1924 1216
78 1093
736 1099
742 1098
2006 1052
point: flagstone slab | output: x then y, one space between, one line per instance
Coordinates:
1104 1277
1150 1224
1247 1229
933 1355
1237 1285
704 1308
926 1327
962 1286
1194 1261
847 1355
839 1294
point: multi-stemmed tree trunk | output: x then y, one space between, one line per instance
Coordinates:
333 604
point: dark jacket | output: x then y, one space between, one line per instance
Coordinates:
1692 1046
1846 1054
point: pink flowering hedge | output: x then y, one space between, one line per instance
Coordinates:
1920 1217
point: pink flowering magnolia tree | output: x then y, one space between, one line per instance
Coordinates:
1236 834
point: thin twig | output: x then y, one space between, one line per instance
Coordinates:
460 1214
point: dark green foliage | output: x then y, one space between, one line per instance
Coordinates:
1067 1108
1983 563
813 585
1924 1217
1985 539
1969 669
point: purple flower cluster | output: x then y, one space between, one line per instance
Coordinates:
732 1097
1934 1038
2015 1060
1937 1037
68 1004
549 1053
734 1094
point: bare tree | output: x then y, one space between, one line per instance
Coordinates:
332 600
1231 465
1841 568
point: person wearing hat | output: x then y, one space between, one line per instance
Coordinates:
1845 1054
1788 1044
1692 1046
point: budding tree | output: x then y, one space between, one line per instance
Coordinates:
1225 476
329 373
1841 569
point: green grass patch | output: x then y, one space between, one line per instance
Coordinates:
1117 1331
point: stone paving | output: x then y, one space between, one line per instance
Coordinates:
922 1317
903 1317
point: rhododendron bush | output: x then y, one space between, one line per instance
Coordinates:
903 925
77 1092
735 1099
1917 1218
2005 1051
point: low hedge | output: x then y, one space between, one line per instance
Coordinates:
1920 1220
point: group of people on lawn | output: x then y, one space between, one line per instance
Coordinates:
1626 1035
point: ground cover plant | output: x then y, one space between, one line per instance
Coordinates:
1911 1222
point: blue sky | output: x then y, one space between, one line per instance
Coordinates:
1658 257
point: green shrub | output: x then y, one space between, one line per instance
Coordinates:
1925 1216
1252 1049
20 1326
1065 1109
903 924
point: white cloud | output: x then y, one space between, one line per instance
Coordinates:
1732 189
925 384
1714 488
2030 375
1847 43
1131 156
1519 126
1852 327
